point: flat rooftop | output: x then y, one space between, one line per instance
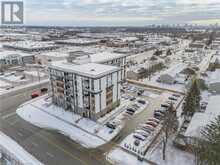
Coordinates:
78 41
30 44
7 53
105 56
92 70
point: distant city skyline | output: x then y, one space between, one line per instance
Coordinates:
121 12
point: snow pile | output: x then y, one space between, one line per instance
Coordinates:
16 151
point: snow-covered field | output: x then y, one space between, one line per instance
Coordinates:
16 151
88 133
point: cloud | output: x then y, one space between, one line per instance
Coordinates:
129 11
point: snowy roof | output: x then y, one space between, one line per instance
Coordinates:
5 53
215 58
200 120
213 107
129 39
92 70
78 41
214 77
105 56
55 54
174 70
30 44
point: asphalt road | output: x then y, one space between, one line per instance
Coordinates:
47 146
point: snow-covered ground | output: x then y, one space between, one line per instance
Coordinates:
35 73
153 82
119 156
88 133
14 78
4 84
16 151
174 156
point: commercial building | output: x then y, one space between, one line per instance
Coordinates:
78 42
90 89
172 75
29 46
16 58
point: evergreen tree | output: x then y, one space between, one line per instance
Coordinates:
189 105
208 150
196 92
192 99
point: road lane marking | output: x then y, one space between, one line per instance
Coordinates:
34 144
20 134
13 123
50 155
8 115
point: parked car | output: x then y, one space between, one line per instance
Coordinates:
175 95
44 90
147 126
152 123
34 95
130 109
140 92
135 105
132 98
143 133
139 137
110 125
141 101
160 111
172 98
130 113
136 142
158 115
154 120
165 105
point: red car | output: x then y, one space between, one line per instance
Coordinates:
34 95
154 120
152 123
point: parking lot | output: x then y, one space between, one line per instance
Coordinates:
144 126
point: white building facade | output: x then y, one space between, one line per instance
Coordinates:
90 90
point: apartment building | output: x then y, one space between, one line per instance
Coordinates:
108 58
90 90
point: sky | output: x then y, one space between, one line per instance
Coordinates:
121 12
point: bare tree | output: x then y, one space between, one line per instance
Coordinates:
170 126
